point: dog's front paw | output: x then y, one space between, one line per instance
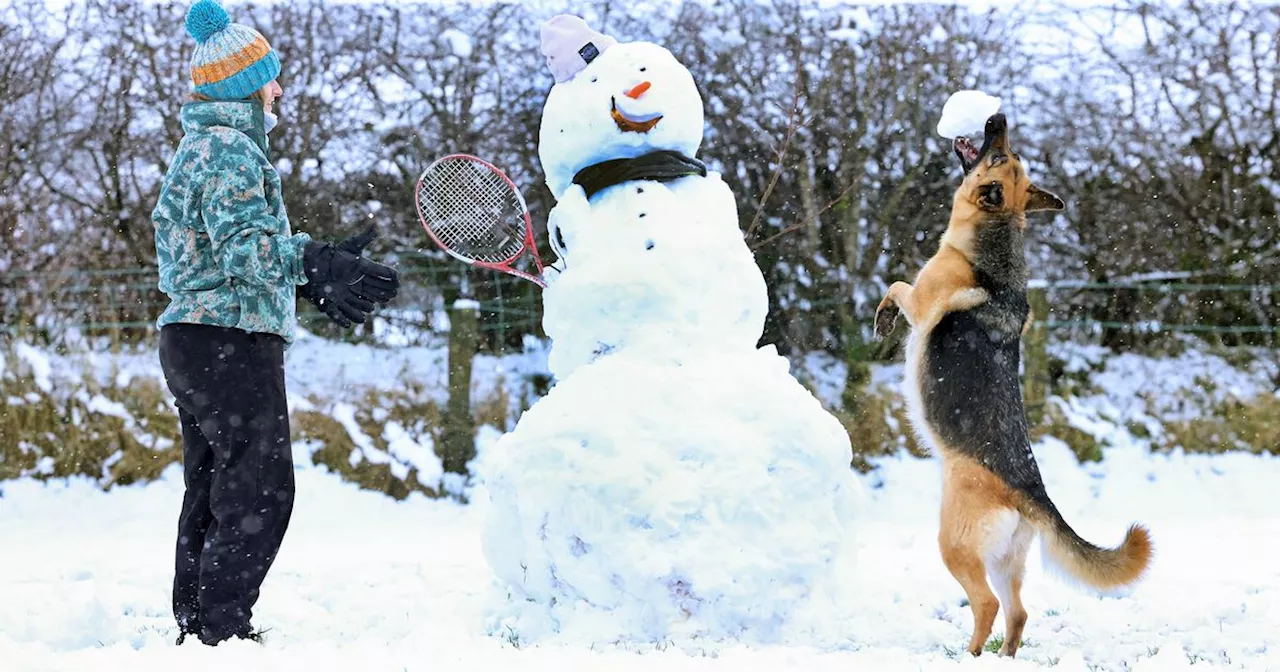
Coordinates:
886 317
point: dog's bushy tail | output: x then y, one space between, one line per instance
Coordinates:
1092 565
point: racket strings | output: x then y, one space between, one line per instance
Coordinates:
473 211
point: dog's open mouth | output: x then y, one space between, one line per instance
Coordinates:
967 152
995 138
629 124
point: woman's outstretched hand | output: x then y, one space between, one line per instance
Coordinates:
342 283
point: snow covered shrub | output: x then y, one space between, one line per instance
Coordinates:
108 416
1055 424
1233 425
385 443
55 427
879 428
495 410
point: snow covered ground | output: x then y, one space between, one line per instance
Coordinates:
366 583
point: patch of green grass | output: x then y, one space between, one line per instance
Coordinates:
993 645
1137 430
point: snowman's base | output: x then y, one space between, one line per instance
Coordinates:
650 500
522 621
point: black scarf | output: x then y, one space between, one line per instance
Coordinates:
659 166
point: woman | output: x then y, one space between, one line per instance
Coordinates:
232 268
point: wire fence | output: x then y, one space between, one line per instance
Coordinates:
1128 312
123 304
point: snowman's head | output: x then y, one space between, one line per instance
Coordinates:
611 101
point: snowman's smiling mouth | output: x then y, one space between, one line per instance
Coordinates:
632 124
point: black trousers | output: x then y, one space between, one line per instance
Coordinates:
238 468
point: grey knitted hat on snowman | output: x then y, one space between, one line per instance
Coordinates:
570 44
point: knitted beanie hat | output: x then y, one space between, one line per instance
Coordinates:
570 44
231 60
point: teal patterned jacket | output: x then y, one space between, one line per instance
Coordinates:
227 257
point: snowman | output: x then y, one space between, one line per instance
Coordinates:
677 483
648 238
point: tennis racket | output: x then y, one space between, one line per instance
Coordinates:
476 214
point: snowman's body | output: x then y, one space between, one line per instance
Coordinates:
676 479
653 264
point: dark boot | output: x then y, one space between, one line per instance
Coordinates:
213 639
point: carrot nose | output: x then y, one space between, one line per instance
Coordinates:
638 90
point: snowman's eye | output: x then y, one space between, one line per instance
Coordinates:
594 79
643 69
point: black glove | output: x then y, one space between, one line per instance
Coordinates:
342 283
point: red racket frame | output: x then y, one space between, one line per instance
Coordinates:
530 245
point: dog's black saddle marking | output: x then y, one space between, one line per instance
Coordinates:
971 390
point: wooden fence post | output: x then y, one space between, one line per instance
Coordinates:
458 437
1035 361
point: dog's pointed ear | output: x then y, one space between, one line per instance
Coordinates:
1039 199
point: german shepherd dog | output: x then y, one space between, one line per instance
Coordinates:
967 311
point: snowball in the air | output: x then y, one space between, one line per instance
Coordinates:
966 112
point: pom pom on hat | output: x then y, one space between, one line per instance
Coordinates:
205 19
570 44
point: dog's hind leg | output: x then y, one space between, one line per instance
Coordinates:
1006 577
962 540
966 565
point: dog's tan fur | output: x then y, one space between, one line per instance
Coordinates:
986 525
